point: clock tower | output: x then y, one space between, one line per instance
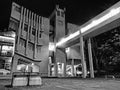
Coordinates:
57 31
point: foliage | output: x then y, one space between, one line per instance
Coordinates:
107 50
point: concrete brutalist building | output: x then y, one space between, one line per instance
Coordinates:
32 39
33 35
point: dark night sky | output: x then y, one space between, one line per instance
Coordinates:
77 11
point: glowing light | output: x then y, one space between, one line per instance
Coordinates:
13 35
8 38
67 50
94 23
52 47
62 41
32 64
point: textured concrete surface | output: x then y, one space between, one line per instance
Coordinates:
68 84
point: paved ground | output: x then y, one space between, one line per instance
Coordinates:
68 84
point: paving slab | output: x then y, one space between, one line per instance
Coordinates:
68 84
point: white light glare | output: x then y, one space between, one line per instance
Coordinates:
51 47
67 38
94 23
67 50
9 38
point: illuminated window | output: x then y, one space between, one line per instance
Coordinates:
7 51
7 48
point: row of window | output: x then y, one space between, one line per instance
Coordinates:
60 13
30 45
33 31
14 24
18 9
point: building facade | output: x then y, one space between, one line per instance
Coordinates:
32 40
7 44
33 34
62 63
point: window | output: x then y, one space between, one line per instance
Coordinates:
6 51
14 24
22 43
30 29
58 13
62 14
26 27
33 31
30 46
40 34
18 9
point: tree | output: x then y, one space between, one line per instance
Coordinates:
106 50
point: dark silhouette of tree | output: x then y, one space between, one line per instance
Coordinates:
106 51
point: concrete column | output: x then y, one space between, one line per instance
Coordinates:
55 64
28 12
31 26
48 70
64 72
56 69
23 21
90 59
19 29
83 57
14 64
49 67
72 63
35 37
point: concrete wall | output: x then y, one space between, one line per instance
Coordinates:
43 25
74 52
60 56
72 28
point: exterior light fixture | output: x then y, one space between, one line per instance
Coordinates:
32 64
67 50
52 47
